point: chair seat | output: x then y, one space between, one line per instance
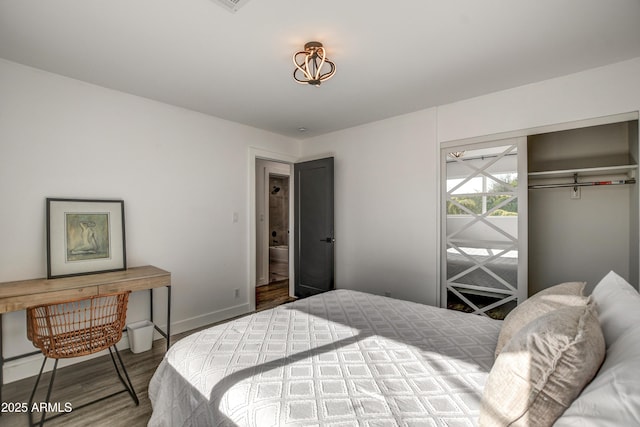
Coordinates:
80 342
77 327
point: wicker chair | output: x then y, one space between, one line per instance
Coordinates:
78 328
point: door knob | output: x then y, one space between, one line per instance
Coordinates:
328 240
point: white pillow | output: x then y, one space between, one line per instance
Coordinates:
612 399
618 305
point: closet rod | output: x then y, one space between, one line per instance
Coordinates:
583 184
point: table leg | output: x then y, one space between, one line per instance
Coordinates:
166 334
168 316
151 304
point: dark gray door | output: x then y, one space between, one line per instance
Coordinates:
314 238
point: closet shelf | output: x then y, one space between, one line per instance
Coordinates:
629 170
605 170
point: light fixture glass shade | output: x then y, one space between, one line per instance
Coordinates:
312 65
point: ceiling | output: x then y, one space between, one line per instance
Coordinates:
391 57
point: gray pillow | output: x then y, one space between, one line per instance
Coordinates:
567 294
543 368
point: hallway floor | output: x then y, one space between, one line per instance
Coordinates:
272 295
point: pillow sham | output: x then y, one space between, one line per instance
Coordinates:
543 368
612 399
618 306
566 294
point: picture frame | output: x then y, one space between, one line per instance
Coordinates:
85 236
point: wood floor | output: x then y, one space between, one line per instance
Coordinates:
272 295
86 381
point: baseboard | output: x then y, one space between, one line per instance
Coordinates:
209 318
29 366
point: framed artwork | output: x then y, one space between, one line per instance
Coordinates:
84 237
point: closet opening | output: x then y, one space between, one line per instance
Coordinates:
583 205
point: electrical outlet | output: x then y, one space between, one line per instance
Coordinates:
575 193
237 293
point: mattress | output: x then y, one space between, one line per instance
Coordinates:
342 358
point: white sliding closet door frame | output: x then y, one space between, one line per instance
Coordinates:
509 242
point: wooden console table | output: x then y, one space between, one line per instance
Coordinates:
15 296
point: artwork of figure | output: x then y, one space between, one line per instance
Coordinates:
88 244
87 236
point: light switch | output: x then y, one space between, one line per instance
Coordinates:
235 217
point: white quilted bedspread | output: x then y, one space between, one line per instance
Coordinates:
342 358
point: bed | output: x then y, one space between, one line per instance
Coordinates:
347 358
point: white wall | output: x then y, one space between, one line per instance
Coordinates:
578 240
593 93
181 174
385 205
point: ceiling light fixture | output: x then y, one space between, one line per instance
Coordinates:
232 5
310 63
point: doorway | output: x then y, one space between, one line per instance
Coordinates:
262 163
273 225
278 228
